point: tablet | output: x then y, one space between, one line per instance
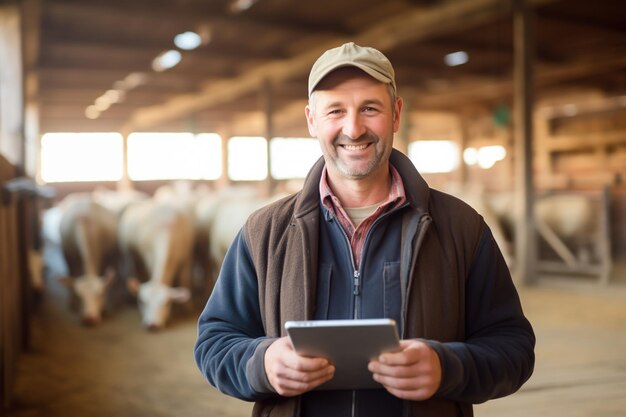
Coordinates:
348 344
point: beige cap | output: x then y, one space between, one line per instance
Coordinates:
368 59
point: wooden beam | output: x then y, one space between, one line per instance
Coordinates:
268 110
592 140
476 90
31 32
11 83
523 41
417 25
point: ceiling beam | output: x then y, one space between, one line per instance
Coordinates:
411 26
467 91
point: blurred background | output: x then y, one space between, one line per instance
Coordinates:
120 119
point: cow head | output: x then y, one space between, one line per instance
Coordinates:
90 291
155 300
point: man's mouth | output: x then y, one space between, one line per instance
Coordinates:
355 147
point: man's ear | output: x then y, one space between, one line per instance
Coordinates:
310 122
398 112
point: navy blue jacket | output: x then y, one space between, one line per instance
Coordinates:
432 265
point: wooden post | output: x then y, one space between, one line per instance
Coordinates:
525 246
224 133
31 23
463 171
11 86
268 105
125 183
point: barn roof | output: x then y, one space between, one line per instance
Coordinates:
257 54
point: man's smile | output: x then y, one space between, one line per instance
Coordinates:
355 147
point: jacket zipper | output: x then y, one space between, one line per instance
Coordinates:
356 280
356 283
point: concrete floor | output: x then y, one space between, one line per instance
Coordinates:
118 369
580 356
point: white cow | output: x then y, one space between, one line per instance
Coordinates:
229 215
567 222
88 237
204 216
193 199
118 200
475 197
157 238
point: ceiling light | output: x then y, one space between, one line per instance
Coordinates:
188 40
237 6
166 60
456 58
134 79
102 103
114 96
91 112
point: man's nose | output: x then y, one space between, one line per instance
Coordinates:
353 126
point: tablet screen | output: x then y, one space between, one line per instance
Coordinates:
348 344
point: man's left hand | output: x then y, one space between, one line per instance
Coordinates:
413 373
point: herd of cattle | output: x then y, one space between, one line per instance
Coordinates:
159 249
167 248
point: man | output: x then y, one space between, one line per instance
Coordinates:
365 238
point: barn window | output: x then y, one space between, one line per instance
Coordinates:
293 157
247 158
153 156
73 157
434 156
485 156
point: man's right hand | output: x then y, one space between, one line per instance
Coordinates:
291 374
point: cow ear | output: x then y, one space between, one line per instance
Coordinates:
133 285
65 280
180 294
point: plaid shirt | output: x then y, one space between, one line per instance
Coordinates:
357 234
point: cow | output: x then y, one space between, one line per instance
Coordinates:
568 223
474 196
157 241
118 200
228 216
88 237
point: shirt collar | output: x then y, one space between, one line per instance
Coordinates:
397 195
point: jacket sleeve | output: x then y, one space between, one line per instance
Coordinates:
497 356
231 341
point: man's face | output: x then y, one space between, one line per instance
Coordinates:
352 116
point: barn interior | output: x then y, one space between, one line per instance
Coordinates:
542 80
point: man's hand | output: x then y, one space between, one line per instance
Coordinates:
291 374
413 373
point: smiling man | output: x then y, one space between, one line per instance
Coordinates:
365 238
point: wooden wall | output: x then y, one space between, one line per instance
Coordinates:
16 230
11 292
580 147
